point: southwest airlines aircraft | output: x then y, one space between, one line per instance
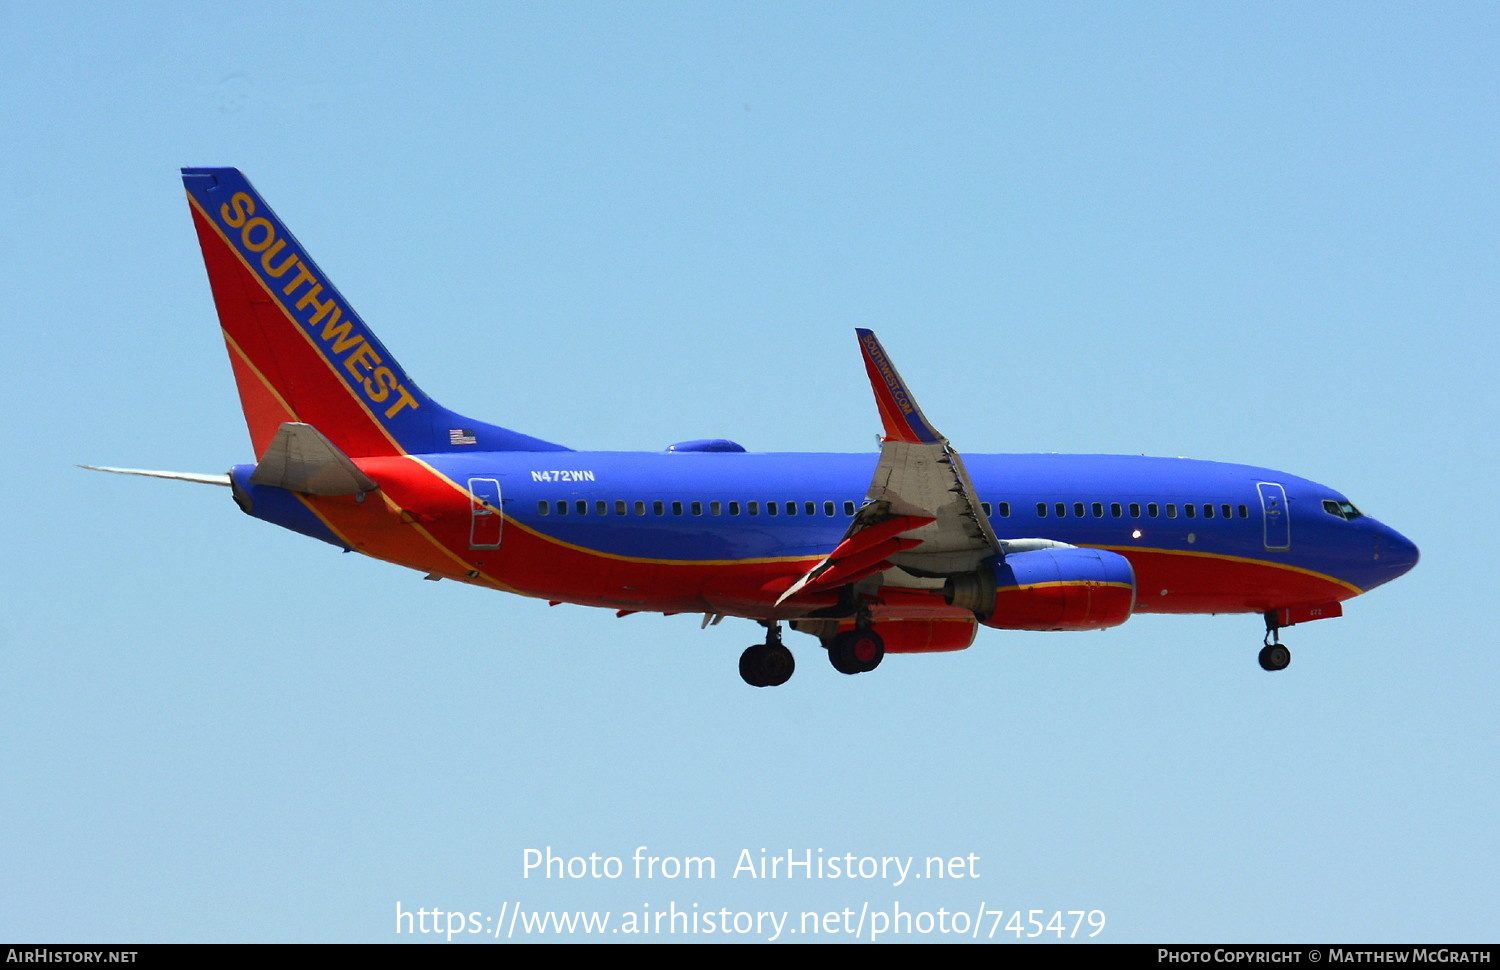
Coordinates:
907 551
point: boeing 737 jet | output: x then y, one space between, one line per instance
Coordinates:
910 550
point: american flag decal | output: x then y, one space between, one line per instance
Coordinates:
461 436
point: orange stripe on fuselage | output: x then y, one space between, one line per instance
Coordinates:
538 565
1174 581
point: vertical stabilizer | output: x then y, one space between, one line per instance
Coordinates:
299 351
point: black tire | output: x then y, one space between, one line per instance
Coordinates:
1275 657
751 666
778 665
764 665
840 656
856 651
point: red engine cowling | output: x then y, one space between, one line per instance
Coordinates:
1049 589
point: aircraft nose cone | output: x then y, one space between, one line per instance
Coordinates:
1396 552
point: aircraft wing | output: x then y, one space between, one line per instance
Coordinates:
921 514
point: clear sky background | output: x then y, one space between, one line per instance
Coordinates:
1264 233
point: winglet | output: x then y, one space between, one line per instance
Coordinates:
899 413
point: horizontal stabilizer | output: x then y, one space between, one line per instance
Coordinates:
301 459
178 476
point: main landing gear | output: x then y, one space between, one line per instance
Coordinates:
768 664
856 651
1274 656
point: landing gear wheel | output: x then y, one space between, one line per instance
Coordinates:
856 651
766 665
1274 656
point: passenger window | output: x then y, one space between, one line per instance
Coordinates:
1191 510
619 506
542 508
770 508
1098 510
562 508
1171 510
1061 509
1115 510
601 507
1041 510
714 508
1208 511
1244 512
811 508
986 507
754 508
1135 510
1078 509
581 507
849 508
676 508
791 508
658 508
1152 510
1004 510
828 508
697 508
1225 512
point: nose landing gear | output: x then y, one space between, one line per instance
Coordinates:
1274 656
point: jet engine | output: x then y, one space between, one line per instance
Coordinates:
1063 588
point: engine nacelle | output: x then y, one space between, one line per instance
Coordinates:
1048 589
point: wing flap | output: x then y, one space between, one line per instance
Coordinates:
862 545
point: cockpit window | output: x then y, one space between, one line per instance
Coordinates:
1344 510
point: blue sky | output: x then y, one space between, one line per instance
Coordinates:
1257 234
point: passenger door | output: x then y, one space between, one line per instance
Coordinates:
485 518
1275 515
